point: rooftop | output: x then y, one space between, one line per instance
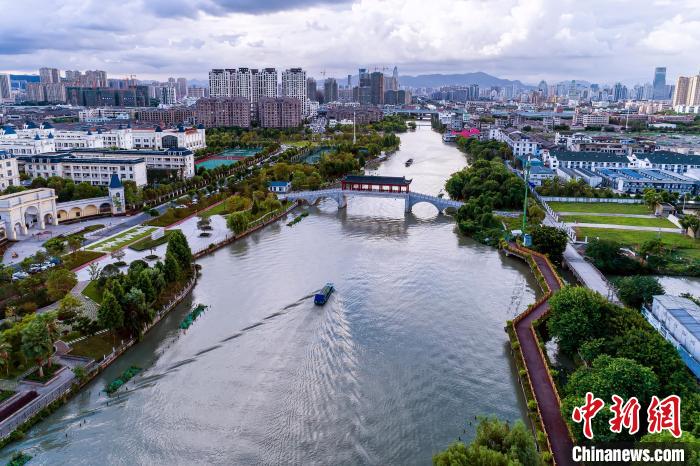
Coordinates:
567 155
395 180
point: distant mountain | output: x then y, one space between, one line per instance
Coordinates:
464 79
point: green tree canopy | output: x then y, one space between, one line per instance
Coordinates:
576 315
549 240
637 290
496 443
59 282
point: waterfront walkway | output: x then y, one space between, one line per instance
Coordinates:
540 380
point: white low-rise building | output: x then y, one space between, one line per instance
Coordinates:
519 143
34 139
9 171
93 170
176 159
23 210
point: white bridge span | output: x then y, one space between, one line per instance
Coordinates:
340 196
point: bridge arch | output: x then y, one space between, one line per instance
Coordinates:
62 215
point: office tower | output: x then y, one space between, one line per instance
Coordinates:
294 85
49 75
181 86
542 86
5 88
330 90
349 80
311 88
395 76
619 92
660 92
377 88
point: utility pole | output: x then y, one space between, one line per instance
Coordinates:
527 186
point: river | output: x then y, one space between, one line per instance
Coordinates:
409 349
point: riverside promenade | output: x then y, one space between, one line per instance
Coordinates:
538 375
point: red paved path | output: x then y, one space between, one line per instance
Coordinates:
547 400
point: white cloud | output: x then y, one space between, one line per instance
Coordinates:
598 40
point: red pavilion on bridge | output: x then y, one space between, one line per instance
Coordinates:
384 184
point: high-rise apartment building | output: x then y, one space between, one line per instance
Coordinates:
660 92
680 93
5 88
49 75
196 92
220 82
168 95
330 90
294 85
223 112
311 88
687 91
181 87
280 112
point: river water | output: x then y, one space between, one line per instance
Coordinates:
409 349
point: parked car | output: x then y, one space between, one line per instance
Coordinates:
19 275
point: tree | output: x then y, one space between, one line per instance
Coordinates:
608 376
136 311
550 240
637 290
607 256
36 343
651 197
576 315
110 314
75 242
94 271
496 443
178 246
59 282
55 246
171 268
238 222
118 254
5 359
143 283
69 306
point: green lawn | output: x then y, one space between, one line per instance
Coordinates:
639 222
95 346
121 239
78 258
148 243
92 292
598 208
636 238
216 210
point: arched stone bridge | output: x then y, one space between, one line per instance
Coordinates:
340 196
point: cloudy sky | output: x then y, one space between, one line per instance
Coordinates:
596 40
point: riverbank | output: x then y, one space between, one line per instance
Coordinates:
48 402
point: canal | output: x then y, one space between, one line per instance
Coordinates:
408 350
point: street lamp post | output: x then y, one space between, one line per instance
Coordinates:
527 186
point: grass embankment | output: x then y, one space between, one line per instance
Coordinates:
93 292
216 210
600 207
95 346
629 221
148 243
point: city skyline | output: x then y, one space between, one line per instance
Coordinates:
525 40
